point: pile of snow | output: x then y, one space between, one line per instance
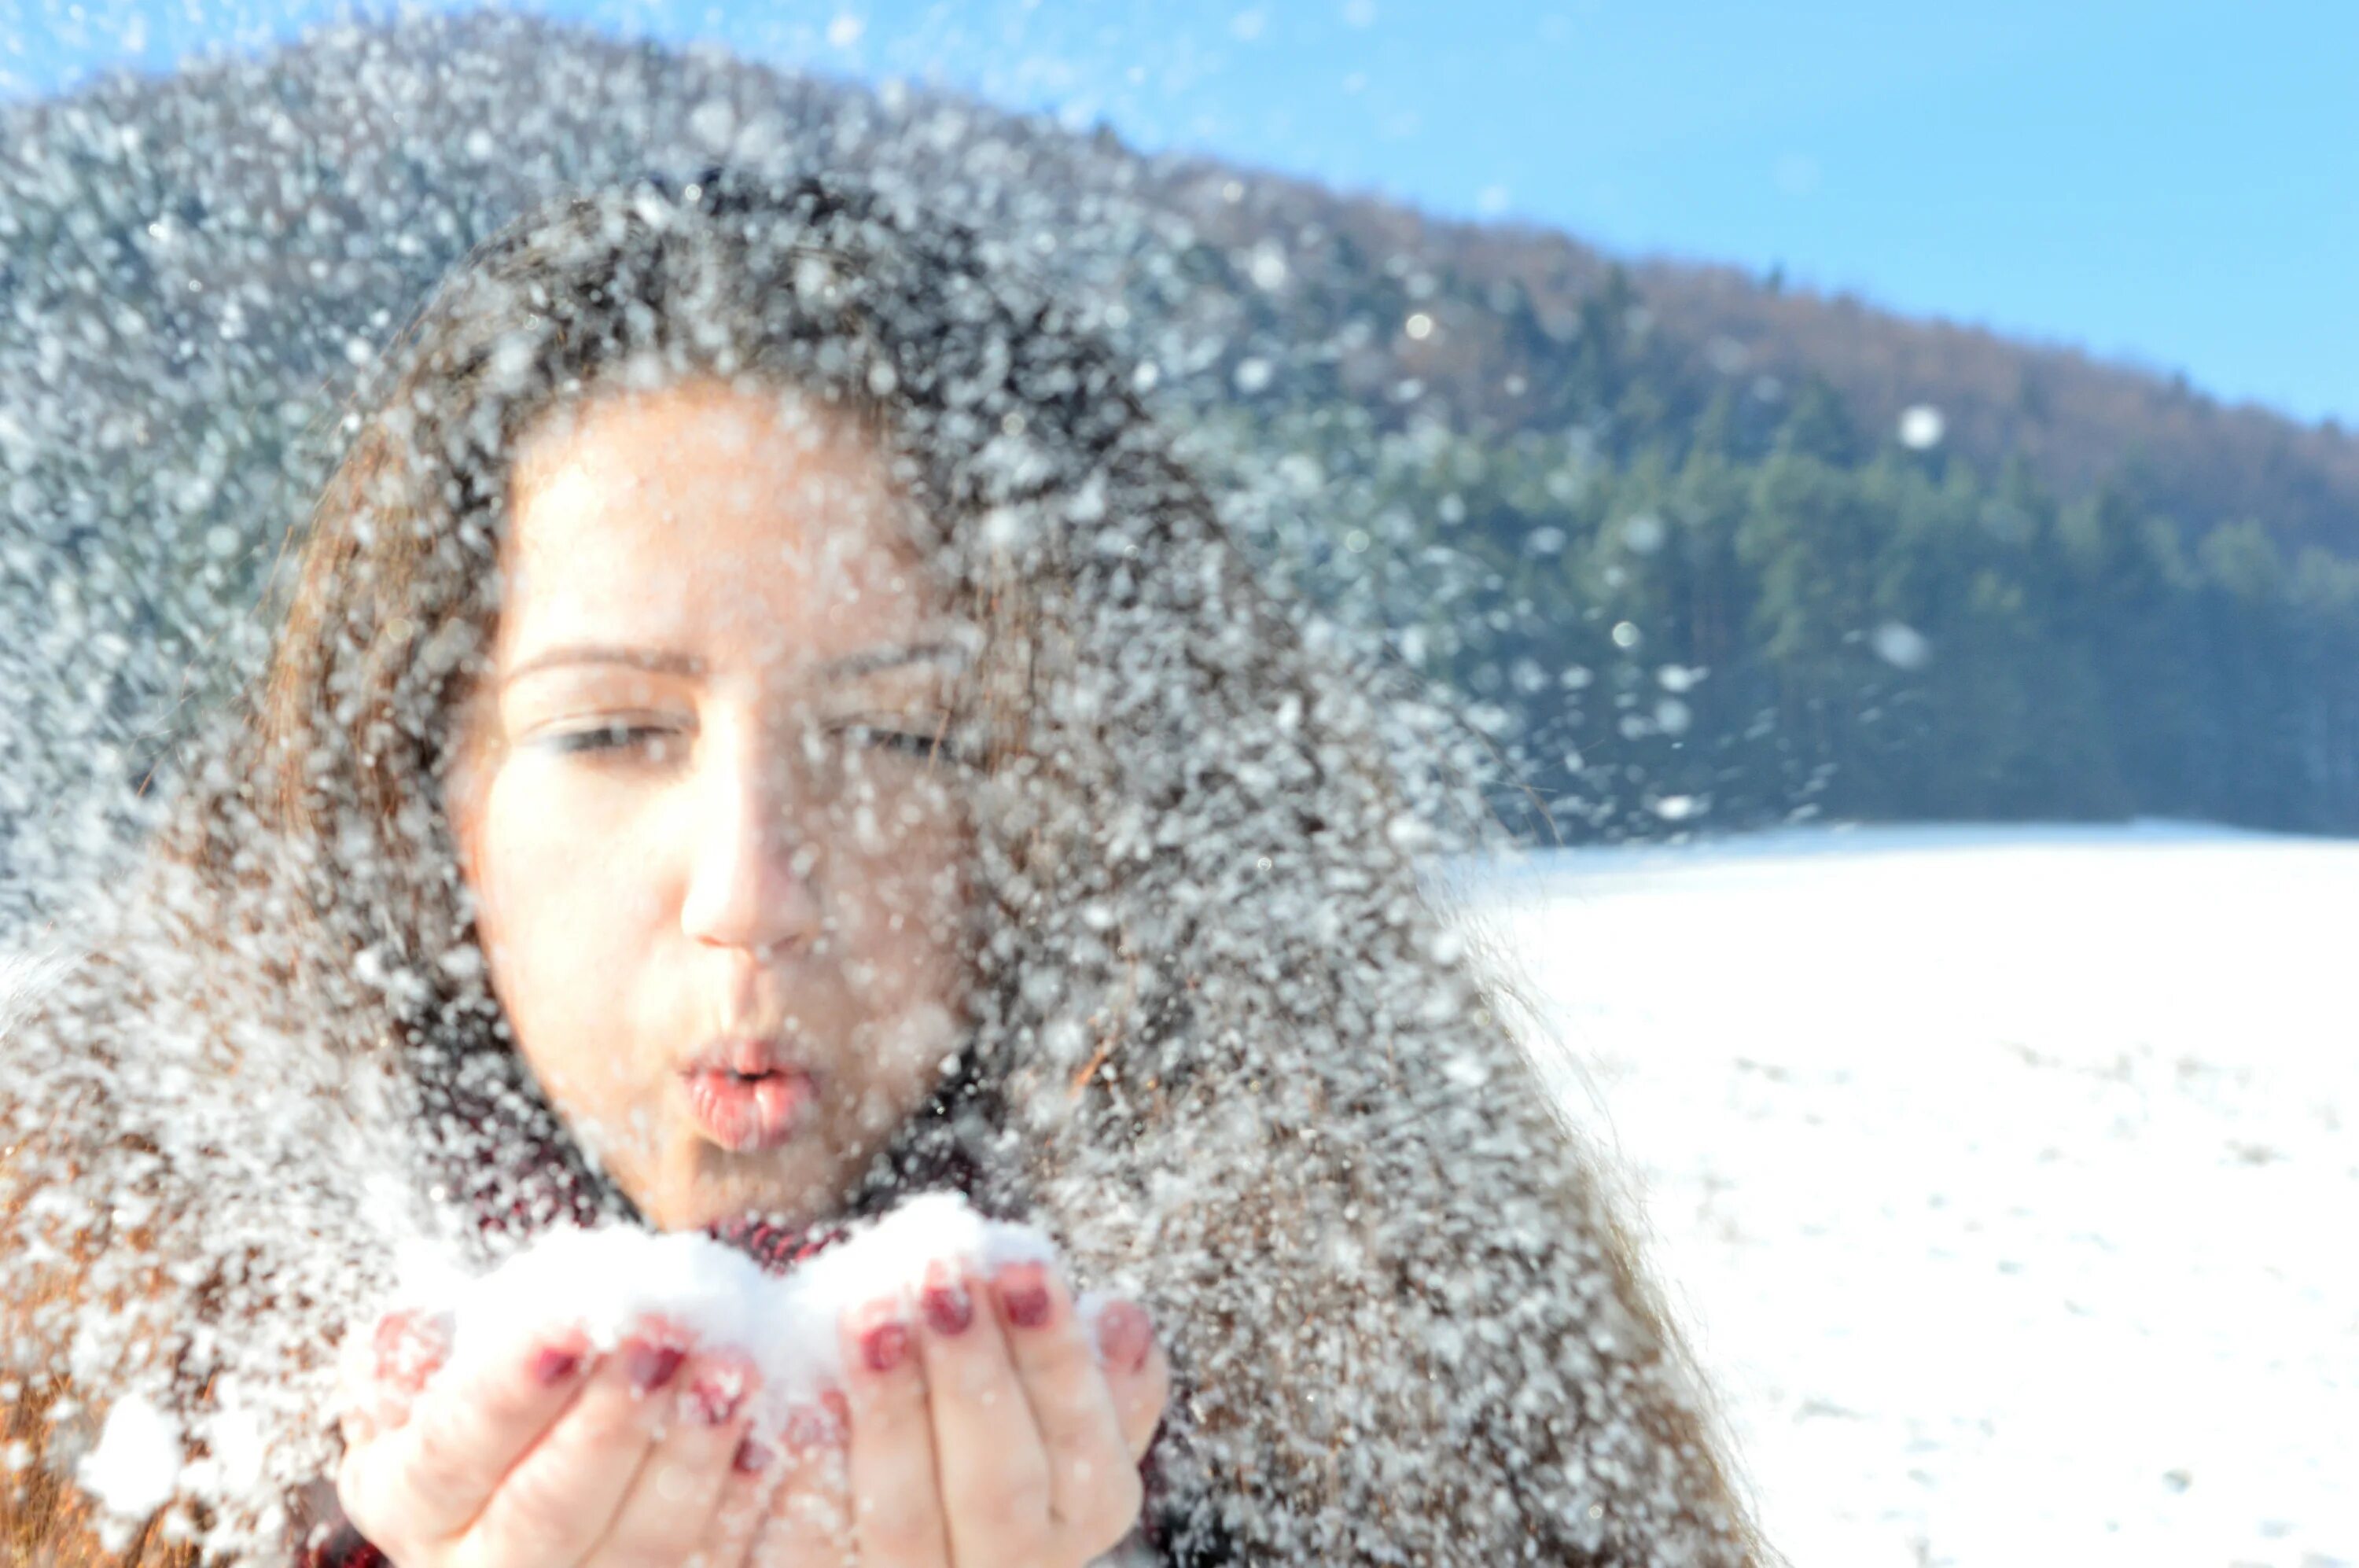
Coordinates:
2004 1178
610 1280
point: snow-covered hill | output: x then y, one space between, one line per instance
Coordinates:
2005 1179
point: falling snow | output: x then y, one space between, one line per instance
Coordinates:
137 1464
1213 1048
1266 1024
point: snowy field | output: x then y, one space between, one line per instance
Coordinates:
2006 1179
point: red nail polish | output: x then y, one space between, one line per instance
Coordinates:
751 1455
393 1332
1024 1294
808 1427
948 1307
714 1396
553 1365
650 1365
409 1346
885 1345
1126 1334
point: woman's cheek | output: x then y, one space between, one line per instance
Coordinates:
926 889
899 1059
563 905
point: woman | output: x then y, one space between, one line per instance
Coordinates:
767 725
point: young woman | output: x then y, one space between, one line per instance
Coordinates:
764 725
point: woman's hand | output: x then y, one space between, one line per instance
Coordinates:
551 1458
991 1433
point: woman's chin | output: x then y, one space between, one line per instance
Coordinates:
722 1186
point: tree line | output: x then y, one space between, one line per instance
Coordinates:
1738 622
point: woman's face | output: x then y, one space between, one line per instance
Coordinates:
715 850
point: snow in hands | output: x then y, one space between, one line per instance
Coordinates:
609 1281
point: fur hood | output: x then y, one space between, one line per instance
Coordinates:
1228 1050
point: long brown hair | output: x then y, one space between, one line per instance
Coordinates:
1223 1044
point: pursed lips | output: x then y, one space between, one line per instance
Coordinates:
749 1093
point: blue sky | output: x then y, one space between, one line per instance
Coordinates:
2174 182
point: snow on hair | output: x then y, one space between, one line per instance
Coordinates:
1226 1050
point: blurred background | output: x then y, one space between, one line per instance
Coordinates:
1883 480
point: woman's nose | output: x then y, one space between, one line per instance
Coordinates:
751 882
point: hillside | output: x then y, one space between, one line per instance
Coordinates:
1508 298
1495 444
1512 300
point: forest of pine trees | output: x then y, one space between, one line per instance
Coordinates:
1746 615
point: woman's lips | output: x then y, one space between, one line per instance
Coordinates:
749 1112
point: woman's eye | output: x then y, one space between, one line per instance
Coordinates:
922 745
917 737
614 736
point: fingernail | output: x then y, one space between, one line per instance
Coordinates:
393 1332
554 1364
885 1345
1126 1334
409 1346
714 1396
837 1406
810 1427
1024 1294
948 1307
752 1454
650 1365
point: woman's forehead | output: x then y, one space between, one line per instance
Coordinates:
777 470
701 514
894 662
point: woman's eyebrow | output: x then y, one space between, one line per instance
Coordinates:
848 667
852 664
661 660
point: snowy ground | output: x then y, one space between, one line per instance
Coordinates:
2006 1179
